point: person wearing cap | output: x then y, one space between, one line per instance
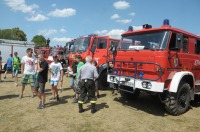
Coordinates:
56 70
87 75
16 62
8 66
0 65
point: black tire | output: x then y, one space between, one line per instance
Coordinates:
127 95
178 103
102 81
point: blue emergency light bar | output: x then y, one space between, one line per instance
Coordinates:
130 28
166 22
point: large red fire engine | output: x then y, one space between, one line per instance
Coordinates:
49 52
163 60
97 47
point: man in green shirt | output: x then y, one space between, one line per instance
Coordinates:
16 67
78 59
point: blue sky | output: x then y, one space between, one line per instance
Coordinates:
62 20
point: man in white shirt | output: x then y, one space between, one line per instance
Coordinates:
28 70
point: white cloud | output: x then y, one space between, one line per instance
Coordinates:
62 39
115 16
20 5
101 32
62 30
47 32
66 12
132 14
137 27
53 5
124 21
38 17
114 33
121 5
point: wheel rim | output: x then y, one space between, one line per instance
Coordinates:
182 98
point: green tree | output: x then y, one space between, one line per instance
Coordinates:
39 41
13 34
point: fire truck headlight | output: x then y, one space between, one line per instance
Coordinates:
149 85
112 78
144 84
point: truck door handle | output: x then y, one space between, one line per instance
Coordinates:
105 56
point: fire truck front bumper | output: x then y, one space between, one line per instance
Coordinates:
147 85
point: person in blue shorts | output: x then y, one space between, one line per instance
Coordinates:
56 70
9 65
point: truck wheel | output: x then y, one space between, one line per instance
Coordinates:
178 103
102 81
127 95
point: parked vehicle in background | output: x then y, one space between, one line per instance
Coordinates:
10 46
68 48
97 47
163 60
49 52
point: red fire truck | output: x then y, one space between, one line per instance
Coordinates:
164 60
97 47
49 52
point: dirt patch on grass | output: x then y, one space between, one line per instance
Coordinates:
114 114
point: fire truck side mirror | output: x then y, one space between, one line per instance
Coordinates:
179 39
112 48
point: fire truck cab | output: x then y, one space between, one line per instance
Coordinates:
97 47
164 60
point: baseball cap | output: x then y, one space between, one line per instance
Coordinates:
15 52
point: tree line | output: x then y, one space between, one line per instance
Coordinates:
18 34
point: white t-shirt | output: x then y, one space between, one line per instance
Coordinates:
55 69
29 64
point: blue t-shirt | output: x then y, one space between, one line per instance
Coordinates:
9 62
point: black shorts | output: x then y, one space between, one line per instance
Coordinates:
39 85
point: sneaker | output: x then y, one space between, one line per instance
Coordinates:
32 96
75 100
40 103
20 96
41 107
57 98
15 84
61 90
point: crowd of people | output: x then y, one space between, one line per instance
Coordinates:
35 69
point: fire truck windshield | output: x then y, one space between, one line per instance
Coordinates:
151 40
81 44
55 51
